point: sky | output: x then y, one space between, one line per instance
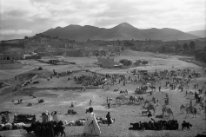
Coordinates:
19 18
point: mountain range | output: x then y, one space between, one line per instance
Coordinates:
199 33
123 31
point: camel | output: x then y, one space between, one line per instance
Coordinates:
150 107
191 110
133 99
167 110
182 108
124 92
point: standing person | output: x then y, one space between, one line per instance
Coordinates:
90 102
44 117
3 119
72 105
91 127
109 120
109 105
108 102
55 116
159 88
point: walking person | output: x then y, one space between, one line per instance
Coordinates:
91 127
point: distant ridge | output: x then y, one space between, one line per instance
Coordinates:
199 33
123 31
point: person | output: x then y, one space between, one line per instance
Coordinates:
72 105
91 127
55 116
108 103
3 119
109 120
149 114
45 116
90 102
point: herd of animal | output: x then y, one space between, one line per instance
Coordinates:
48 129
44 129
159 125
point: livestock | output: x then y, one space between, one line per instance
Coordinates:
168 111
41 101
25 118
149 107
133 99
124 92
6 126
182 107
116 89
79 122
19 125
101 120
5 112
71 112
146 113
141 90
48 129
186 125
155 125
35 82
191 110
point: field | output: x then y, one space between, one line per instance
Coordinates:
58 97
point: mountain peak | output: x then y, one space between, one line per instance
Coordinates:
73 26
125 24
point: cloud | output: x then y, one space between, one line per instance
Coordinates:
40 15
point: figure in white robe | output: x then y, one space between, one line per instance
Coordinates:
55 116
91 127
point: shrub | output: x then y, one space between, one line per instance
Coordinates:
41 100
144 62
126 62
137 63
29 104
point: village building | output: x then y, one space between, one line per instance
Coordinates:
7 58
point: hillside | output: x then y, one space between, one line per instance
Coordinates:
123 31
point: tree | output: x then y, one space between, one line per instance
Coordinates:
192 45
26 37
128 43
126 62
185 47
200 55
177 47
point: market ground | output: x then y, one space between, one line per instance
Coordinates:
60 100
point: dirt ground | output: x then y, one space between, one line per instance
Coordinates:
60 100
